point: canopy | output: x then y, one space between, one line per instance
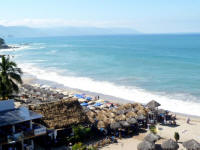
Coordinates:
169 145
98 104
191 144
152 137
84 104
79 95
145 145
88 98
153 104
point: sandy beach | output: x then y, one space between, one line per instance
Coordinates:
186 132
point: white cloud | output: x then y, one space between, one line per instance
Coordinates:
62 22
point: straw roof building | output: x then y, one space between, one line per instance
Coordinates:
191 145
169 145
146 145
152 137
61 114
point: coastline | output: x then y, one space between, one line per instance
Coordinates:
185 130
29 79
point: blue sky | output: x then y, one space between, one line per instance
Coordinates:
147 16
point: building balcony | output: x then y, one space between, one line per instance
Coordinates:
29 133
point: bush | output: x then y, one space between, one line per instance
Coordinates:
79 146
80 134
176 136
153 129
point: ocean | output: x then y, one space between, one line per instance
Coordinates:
138 68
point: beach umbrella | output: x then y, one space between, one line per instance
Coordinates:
120 112
88 98
91 114
100 101
152 137
82 100
101 116
128 106
92 120
191 145
120 118
125 124
115 125
141 112
79 95
141 117
84 104
101 124
169 145
111 121
153 104
146 145
131 114
91 102
97 104
132 120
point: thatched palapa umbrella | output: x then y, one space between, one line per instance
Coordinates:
131 114
152 137
191 145
115 126
146 145
125 124
132 120
153 104
101 124
169 145
120 118
141 117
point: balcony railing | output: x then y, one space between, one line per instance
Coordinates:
36 131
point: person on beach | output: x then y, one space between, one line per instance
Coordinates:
188 120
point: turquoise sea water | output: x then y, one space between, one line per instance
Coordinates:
138 67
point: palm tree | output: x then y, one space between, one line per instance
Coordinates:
10 77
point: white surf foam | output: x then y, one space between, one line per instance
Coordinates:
108 88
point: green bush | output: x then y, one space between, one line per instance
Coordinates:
91 148
80 134
153 129
79 146
176 136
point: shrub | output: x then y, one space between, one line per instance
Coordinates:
79 146
80 134
153 129
176 136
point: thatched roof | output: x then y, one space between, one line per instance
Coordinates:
141 117
61 114
101 124
145 145
153 104
191 145
124 124
115 125
120 118
131 114
152 137
132 120
169 145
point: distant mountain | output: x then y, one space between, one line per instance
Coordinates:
22 31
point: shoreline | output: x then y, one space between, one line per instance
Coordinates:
29 79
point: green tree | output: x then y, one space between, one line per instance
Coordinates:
176 136
10 77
